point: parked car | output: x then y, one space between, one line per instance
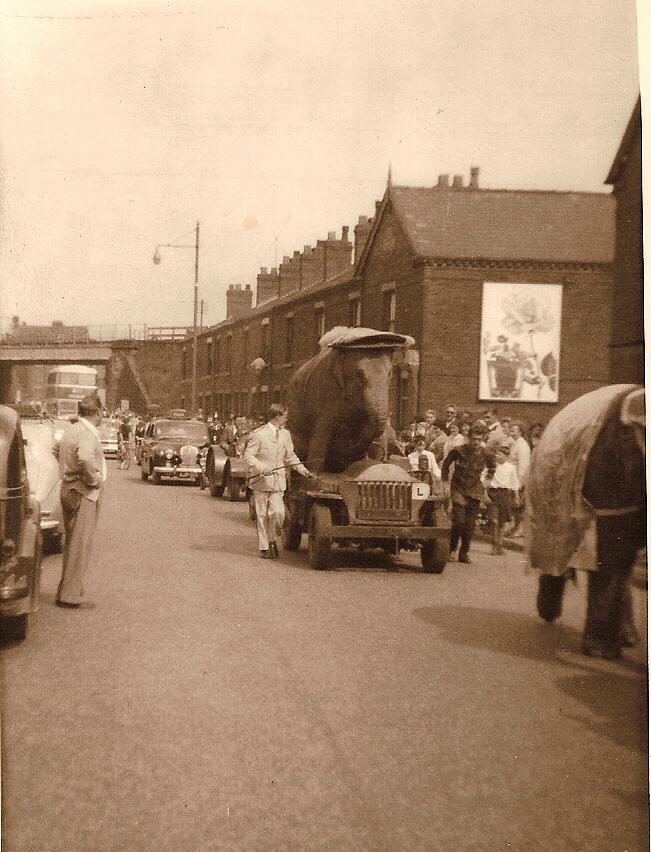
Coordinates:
44 478
20 532
108 435
226 468
174 449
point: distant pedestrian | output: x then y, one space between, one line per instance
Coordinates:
83 472
503 488
269 452
466 488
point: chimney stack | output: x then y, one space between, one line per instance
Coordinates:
238 301
474 177
362 230
457 182
268 284
443 182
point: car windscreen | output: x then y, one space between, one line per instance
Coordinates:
175 430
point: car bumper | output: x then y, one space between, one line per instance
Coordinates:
110 452
179 470
390 533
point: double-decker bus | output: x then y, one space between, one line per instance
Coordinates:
66 385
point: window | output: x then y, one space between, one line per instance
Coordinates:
289 338
319 324
218 356
245 348
209 358
229 352
355 312
389 310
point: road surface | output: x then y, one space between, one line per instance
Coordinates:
207 699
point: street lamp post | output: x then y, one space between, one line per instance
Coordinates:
157 259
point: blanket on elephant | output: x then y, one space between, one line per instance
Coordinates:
560 522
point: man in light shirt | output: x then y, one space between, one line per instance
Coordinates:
83 472
503 487
520 455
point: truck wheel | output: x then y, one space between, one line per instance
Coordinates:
251 500
434 555
15 627
291 534
216 488
233 489
319 541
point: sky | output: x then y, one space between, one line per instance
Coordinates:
272 122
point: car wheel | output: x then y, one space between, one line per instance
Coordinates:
216 488
15 627
434 555
319 541
233 489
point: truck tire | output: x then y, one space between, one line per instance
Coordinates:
291 534
434 555
216 488
233 489
319 541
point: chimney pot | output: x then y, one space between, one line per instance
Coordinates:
444 181
297 253
344 233
274 270
263 270
286 259
332 235
248 287
457 182
362 220
474 177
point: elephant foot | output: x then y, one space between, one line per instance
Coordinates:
549 602
628 636
600 648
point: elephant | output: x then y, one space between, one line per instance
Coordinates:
338 401
603 466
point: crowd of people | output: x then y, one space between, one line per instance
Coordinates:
481 461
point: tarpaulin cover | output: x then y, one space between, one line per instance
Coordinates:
558 517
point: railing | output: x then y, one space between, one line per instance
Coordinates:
88 335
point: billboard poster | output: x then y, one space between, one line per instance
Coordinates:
520 342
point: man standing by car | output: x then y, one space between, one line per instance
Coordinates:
269 452
83 471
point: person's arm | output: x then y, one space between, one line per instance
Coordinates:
88 472
291 459
452 456
434 468
250 455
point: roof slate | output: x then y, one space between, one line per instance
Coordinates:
571 227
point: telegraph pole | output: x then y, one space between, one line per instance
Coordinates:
194 330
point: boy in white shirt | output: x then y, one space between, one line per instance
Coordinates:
503 488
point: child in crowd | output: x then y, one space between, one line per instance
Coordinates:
454 439
422 459
503 488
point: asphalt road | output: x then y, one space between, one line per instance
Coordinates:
207 699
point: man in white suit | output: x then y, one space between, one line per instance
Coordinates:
269 452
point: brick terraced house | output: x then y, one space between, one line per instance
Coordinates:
423 266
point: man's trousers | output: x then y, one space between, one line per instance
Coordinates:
79 520
269 516
464 516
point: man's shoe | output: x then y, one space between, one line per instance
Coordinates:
67 604
273 550
265 554
463 557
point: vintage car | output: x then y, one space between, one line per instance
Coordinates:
380 504
44 478
226 468
20 532
108 435
174 449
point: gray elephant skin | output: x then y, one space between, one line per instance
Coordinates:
338 401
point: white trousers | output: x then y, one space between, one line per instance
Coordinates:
269 516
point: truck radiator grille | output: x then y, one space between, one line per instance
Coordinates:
383 501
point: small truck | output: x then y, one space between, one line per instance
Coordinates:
373 505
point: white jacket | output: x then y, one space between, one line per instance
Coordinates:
267 449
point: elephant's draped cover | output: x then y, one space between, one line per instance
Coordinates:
558 516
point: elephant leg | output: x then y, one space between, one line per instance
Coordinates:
549 601
608 587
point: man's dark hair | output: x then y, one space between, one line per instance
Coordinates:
275 410
440 423
89 405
